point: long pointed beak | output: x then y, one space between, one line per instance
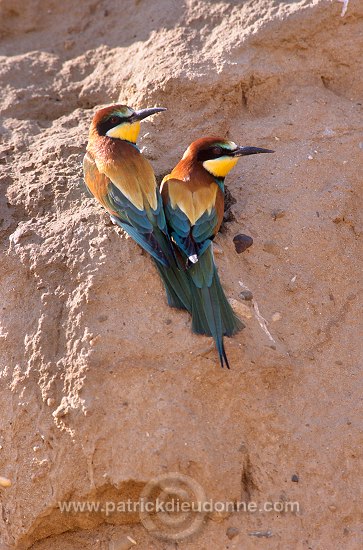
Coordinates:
143 113
243 151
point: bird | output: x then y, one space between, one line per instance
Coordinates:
193 198
123 182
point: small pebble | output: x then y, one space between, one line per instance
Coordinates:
219 517
102 318
242 242
4 482
68 44
276 316
60 412
278 213
261 534
232 532
241 309
295 478
310 157
292 284
217 249
123 543
338 217
246 295
332 508
271 247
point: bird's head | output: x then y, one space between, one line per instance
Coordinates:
121 122
219 156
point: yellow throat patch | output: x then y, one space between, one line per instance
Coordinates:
221 166
125 131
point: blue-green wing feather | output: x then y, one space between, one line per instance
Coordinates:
143 226
178 221
191 240
204 226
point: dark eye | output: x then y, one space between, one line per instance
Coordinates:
217 151
114 120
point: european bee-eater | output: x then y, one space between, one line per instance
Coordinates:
193 197
123 181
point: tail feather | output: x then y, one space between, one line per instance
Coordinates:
176 285
212 314
199 320
230 322
225 357
147 241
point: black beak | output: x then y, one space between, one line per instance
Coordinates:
243 151
143 113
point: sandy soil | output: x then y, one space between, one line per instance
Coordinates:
103 387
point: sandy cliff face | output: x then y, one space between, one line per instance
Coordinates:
103 387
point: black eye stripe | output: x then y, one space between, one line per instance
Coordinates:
213 152
105 125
